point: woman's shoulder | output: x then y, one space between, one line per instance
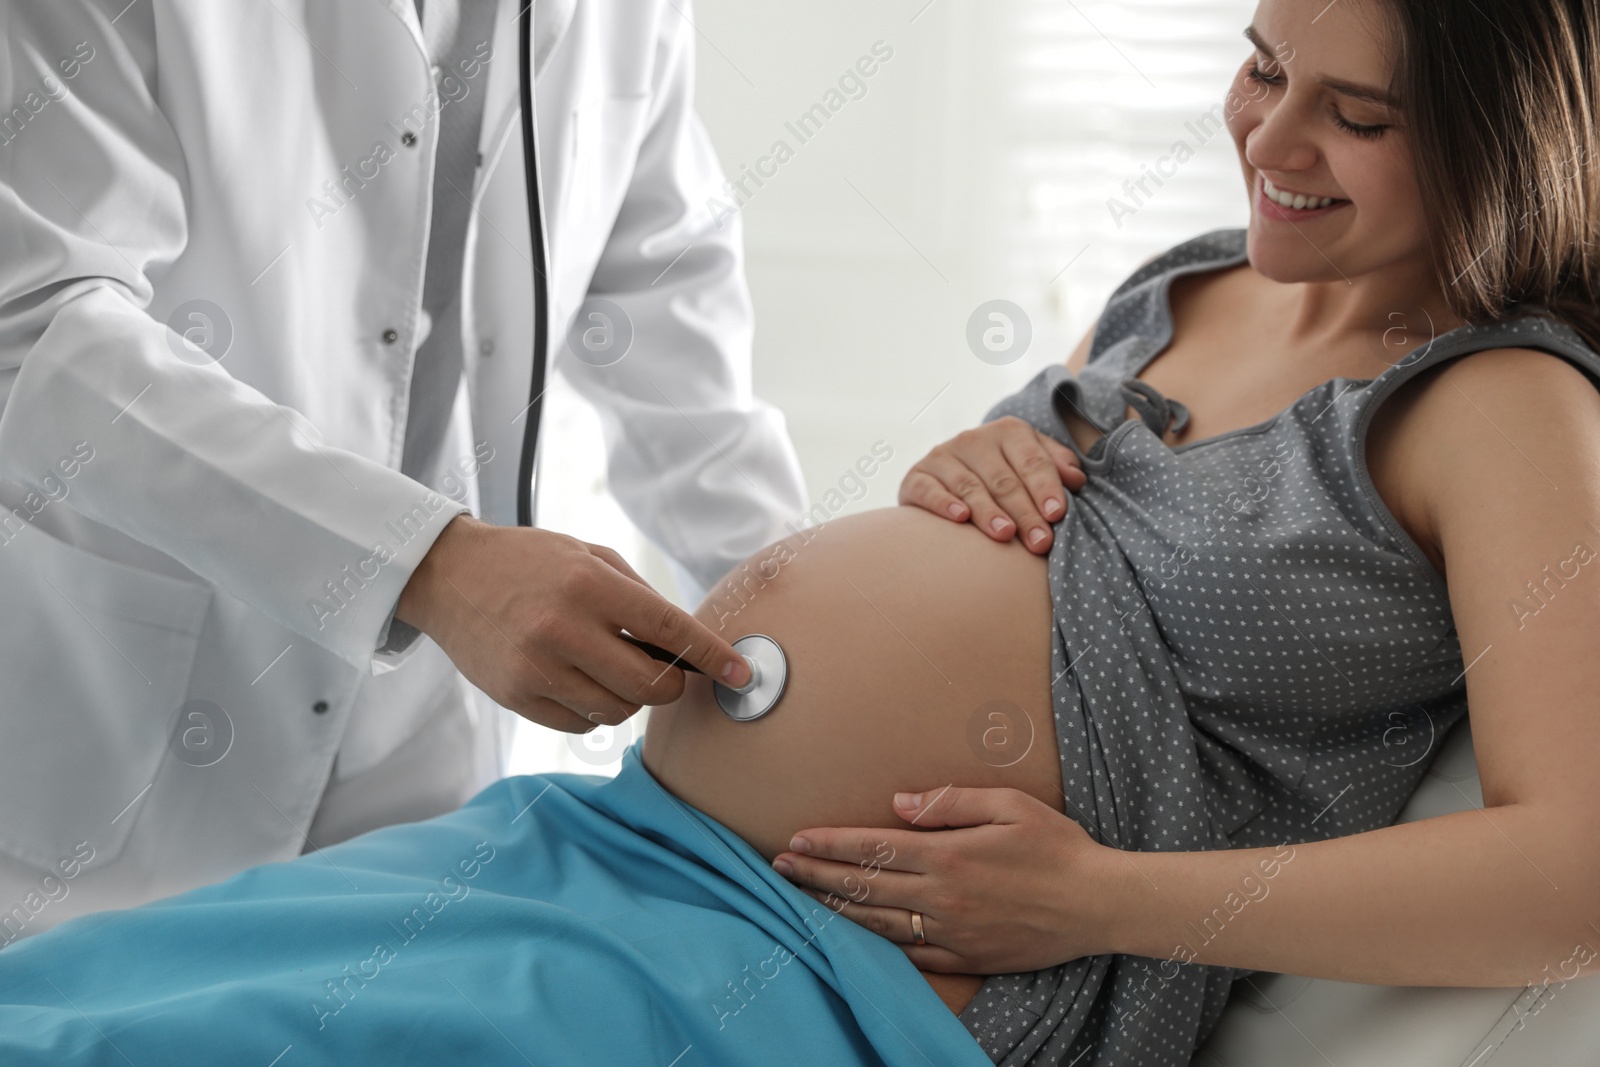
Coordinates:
1481 422
1531 364
1526 385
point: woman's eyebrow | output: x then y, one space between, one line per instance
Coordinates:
1338 85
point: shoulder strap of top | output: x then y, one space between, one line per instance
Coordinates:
1541 331
1135 308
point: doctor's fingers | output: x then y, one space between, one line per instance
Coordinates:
589 670
551 679
645 613
582 706
614 558
577 677
629 676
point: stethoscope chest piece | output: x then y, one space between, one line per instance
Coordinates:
769 671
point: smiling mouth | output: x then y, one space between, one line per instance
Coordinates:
1279 203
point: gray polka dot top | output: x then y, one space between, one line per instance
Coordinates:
1249 650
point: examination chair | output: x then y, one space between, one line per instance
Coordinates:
1279 1020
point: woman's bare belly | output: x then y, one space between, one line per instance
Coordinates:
919 657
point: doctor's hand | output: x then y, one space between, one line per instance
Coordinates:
1002 476
533 619
1004 884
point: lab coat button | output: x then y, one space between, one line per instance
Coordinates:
390 337
486 348
408 139
320 707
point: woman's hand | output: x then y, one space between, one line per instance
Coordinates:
1003 476
1016 887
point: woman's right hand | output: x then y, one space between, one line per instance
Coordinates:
1003 476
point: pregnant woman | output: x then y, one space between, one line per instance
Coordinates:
1163 748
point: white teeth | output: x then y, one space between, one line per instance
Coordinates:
1298 201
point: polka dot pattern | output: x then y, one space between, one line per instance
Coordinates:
1249 650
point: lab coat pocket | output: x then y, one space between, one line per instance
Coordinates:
95 658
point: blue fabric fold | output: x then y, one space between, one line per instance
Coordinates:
554 919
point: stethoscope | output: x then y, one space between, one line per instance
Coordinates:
769 672
769 668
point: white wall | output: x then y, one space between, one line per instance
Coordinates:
977 165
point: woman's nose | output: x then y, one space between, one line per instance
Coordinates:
1279 141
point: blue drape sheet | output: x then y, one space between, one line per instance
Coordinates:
554 919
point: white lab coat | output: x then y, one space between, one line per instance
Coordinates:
181 535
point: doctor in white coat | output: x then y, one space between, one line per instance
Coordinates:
233 627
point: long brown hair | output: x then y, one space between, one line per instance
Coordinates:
1502 100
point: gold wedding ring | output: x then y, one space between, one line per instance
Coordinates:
917 935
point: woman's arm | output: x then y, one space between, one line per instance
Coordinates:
1487 897
1504 455
1503 450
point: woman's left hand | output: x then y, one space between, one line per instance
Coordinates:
1006 884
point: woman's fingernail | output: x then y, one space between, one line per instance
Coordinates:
1037 536
783 868
909 801
799 844
736 672
1052 508
956 511
999 526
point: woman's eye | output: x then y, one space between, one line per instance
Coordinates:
1257 74
1370 132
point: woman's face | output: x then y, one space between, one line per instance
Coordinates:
1302 119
